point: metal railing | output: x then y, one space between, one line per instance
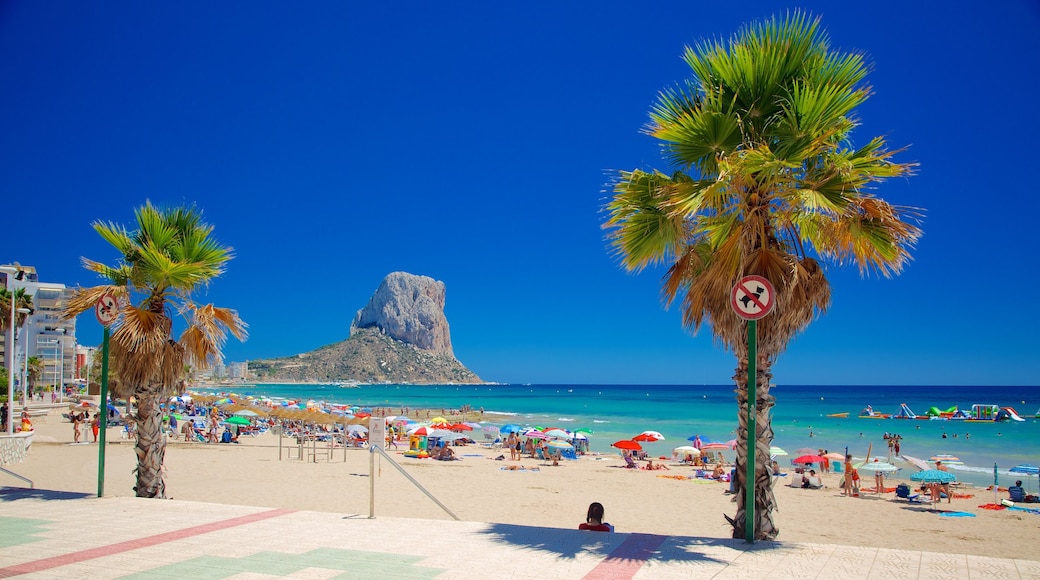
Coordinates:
373 449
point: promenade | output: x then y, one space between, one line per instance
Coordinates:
51 534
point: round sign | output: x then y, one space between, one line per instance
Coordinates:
753 297
106 310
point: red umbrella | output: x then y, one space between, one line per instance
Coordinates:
715 447
809 459
645 437
460 427
627 444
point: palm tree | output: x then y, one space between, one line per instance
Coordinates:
22 300
168 255
33 371
764 182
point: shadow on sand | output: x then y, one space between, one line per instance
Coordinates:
17 493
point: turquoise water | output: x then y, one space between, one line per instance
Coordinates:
616 412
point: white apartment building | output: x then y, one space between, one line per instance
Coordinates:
45 334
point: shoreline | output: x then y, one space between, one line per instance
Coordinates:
478 489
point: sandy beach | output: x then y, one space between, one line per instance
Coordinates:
478 489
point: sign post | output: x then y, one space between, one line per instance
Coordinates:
106 313
752 298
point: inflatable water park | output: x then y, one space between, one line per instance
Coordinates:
978 414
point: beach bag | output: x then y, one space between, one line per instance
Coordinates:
225 437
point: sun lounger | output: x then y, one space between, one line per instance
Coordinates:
630 464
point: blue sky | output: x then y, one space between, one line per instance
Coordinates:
332 143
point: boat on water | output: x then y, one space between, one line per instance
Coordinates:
351 384
839 415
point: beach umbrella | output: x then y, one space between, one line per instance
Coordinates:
656 435
510 429
421 431
715 447
557 444
806 451
557 434
460 427
834 456
1026 469
627 444
247 413
357 429
436 420
685 450
237 420
775 451
875 466
584 430
535 434
933 476
808 459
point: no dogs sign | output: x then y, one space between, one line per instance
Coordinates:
753 297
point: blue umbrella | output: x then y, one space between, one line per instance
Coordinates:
1026 469
510 429
933 476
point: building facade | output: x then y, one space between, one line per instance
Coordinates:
44 335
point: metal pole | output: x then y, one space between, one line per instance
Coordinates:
752 435
8 353
25 369
104 414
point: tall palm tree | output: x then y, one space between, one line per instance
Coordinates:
168 255
765 182
22 300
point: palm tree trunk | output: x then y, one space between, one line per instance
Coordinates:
765 502
151 447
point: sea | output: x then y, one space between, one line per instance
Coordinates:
680 412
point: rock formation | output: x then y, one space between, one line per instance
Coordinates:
408 308
400 336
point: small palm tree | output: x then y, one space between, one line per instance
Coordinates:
33 371
764 182
168 255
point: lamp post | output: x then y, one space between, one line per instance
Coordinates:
9 349
25 347
61 364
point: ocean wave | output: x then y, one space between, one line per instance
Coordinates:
598 421
501 413
565 419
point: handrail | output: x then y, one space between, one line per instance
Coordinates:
13 449
372 482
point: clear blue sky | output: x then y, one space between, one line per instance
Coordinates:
332 143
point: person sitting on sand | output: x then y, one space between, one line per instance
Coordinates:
776 468
594 519
718 472
1016 493
446 454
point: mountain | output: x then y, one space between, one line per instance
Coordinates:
400 336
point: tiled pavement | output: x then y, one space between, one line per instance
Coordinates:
47 534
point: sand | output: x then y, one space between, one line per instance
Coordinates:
478 489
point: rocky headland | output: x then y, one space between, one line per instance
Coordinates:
400 336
